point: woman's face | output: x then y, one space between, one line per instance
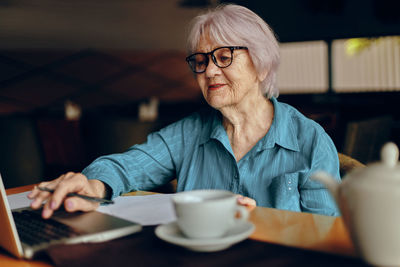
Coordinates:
224 87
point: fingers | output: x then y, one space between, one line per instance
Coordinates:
62 186
249 203
70 182
39 196
73 204
97 187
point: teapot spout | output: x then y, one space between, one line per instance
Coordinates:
328 181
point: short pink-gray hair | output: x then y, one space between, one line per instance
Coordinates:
236 25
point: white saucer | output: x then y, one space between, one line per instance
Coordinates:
171 233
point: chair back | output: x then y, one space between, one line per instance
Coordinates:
347 164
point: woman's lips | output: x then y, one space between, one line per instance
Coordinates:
215 86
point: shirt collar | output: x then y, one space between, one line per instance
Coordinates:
215 130
281 132
213 127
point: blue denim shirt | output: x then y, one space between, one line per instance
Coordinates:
196 150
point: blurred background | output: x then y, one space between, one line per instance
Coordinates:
79 79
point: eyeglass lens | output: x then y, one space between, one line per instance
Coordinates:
222 57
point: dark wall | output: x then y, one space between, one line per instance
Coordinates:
21 156
300 20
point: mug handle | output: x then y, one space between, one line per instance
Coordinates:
243 212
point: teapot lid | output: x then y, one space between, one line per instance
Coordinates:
390 154
385 170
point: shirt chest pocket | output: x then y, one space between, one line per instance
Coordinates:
281 192
283 183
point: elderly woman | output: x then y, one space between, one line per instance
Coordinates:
246 142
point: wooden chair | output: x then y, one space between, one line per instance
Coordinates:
347 163
365 138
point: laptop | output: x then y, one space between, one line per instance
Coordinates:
61 228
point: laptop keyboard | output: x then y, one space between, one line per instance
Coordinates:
33 229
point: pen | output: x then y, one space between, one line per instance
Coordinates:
95 199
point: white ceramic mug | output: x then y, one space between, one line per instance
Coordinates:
207 213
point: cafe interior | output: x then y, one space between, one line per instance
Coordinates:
80 79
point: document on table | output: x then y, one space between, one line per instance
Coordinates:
146 210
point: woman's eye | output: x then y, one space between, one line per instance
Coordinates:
222 58
200 63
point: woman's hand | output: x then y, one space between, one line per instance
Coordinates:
67 183
249 203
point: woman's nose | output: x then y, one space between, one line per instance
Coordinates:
212 69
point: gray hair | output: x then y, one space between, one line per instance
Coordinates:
236 25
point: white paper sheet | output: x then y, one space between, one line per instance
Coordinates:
146 210
20 200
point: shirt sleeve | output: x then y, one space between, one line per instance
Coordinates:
142 167
314 197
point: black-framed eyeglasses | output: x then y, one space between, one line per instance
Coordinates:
221 56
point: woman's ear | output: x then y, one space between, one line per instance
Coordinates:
262 75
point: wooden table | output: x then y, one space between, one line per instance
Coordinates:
303 230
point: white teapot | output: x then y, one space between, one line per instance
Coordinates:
369 200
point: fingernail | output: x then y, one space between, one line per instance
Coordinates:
46 213
53 205
34 203
69 204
